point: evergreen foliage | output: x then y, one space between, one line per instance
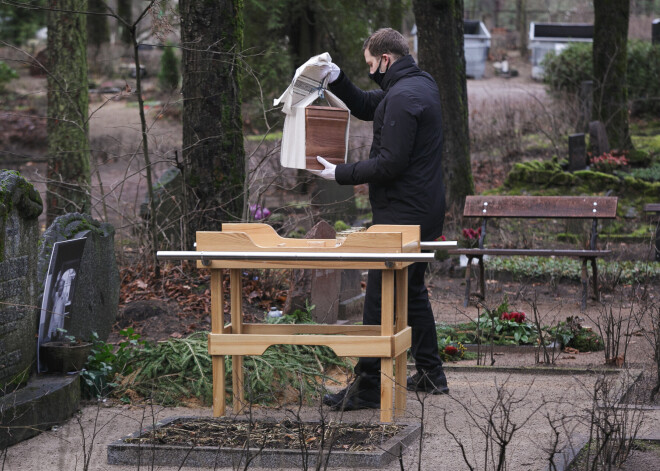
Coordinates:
565 72
168 77
7 74
20 23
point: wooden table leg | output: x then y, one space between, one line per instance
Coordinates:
236 289
218 361
401 323
387 330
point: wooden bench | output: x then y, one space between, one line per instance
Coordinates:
550 207
655 208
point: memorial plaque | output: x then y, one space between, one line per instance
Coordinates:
325 135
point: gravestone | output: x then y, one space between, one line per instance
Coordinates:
577 152
598 142
316 287
20 206
655 32
335 202
96 298
168 200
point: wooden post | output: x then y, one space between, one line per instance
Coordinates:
401 361
218 361
236 290
387 330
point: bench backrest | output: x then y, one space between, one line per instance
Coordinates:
601 207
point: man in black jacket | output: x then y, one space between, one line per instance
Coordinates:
404 174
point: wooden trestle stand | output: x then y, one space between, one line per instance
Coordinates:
238 246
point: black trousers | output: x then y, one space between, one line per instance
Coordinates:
420 317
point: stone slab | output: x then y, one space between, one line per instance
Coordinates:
120 452
45 401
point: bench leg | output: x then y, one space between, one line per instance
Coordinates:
657 242
468 280
585 284
594 273
482 278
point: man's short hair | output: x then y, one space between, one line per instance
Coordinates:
386 41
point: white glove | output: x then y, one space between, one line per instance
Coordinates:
328 172
331 71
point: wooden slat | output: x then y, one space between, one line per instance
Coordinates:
356 242
342 345
402 341
602 207
331 265
311 329
533 252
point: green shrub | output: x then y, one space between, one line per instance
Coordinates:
168 77
7 74
565 72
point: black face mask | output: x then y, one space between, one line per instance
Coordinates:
377 76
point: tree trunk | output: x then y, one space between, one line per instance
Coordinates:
440 33
67 189
610 96
97 24
395 11
213 152
124 11
521 21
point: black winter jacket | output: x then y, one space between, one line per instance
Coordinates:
404 169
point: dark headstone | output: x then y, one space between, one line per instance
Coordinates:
598 142
168 200
96 298
585 96
320 288
577 152
20 206
655 31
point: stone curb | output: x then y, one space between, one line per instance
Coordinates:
120 452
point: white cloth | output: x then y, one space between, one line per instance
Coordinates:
308 82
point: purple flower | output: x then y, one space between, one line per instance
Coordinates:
257 212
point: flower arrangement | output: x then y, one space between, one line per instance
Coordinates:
451 350
518 317
470 238
608 162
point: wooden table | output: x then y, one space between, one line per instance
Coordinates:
239 246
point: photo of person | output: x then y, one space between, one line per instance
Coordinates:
59 291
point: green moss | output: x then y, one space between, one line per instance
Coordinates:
649 144
597 181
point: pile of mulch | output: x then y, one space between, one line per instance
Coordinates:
288 434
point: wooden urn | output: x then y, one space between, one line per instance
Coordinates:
325 135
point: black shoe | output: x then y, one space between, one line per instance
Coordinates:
430 381
353 398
